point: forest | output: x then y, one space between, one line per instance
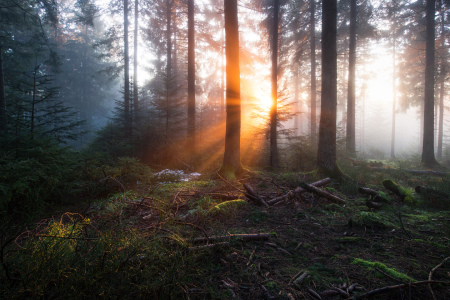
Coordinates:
224 149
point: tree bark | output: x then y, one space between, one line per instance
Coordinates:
441 90
191 77
428 158
232 157
2 94
326 154
296 104
135 61
274 159
312 44
127 68
351 139
394 77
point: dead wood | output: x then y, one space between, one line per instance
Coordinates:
253 195
321 193
242 237
431 275
430 191
374 205
394 287
209 246
414 172
298 191
374 195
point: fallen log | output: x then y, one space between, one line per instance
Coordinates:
414 172
242 237
321 193
430 191
253 195
374 205
405 194
375 196
298 191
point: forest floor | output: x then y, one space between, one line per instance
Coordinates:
141 243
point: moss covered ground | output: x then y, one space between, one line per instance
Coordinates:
139 244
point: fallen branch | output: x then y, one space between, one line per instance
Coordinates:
414 172
298 191
254 195
209 246
321 193
431 274
399 190
394 287
242 237
375 196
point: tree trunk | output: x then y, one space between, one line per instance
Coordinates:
2 94
296 100
313 70
394 77
191 77
351 140
441 90
232 157
127 68
33 101
135 62
274 159
326 154
169 63
428 158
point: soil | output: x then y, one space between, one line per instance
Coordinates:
330 247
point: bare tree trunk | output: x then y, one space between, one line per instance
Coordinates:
33 101
169 63
394 90
296 104
326 154
232 157
127 68
441 90
191 77
351 139
2 94
222 84
274 159
313 70
135 62
428 158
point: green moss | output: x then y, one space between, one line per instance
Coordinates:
390 271
227 206
372 219
349 239
405 194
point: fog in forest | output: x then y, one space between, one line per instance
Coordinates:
114 76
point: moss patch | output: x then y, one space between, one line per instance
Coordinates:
390 271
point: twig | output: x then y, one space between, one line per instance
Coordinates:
243 237
298 191
67 237
394 287
224 180
195 226
208 246
254 195
431 274
322 193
